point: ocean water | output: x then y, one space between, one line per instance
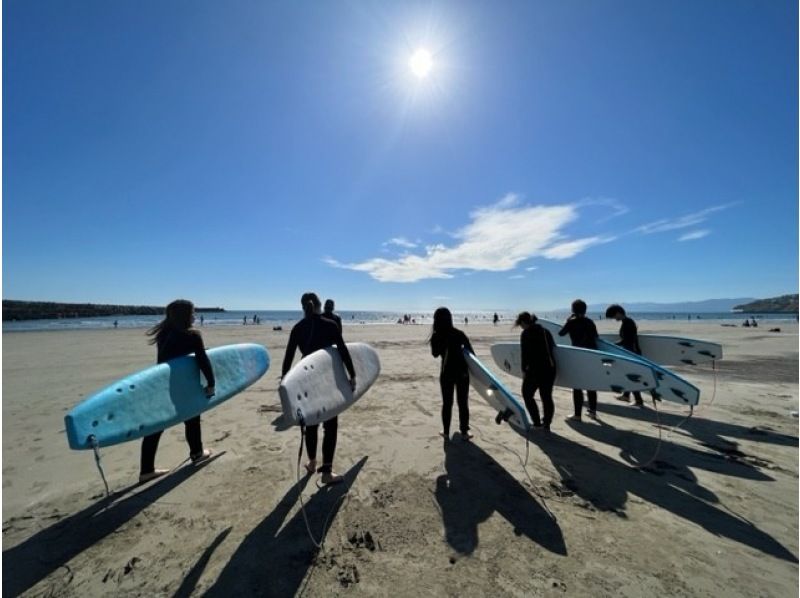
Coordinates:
270 318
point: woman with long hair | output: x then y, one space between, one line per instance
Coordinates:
538 366
174 337
449 342
310 334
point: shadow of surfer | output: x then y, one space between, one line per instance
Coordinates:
606 484
475 487
32 560
273 559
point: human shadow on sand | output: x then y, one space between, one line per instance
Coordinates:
475 487
273 558
606 484
660 455
32 560
708 431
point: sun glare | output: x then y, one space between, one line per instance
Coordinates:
421 63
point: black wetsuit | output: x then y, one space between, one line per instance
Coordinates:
454 376
178 343
629 339
539 368
583 333
329 315
311 334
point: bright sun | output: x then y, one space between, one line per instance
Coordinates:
421 63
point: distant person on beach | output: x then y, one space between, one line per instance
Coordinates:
328 314
583 333
466 320
746 323
496 319
448 342
310 334
202 319
116 323
538 367
629 339
754 324
174 337
244 321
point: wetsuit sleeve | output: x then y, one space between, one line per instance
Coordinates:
345 354
565 328
437 347
551 347
466 344
203 362
290 350
525 350
593 336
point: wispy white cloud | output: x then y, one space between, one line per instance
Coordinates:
497 239
401 242
516 277
531 268
613 207
695 234
686 221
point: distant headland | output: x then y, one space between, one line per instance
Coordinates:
46 310
775 305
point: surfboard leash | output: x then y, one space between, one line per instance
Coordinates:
95 447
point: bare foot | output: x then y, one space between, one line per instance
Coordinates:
329 478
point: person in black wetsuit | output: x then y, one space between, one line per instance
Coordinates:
448 342
328 314
310 334
583 333
174 337
629 339
538 366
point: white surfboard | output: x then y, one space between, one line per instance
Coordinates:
583 368
498 396
317 388
669 386
673 350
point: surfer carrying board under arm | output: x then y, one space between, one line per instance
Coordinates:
448 342
310 334
537 348
629 339
583 333
174 337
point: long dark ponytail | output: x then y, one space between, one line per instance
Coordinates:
178 317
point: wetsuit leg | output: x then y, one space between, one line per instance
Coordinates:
331 428
311 441
546 394
577 401
462 394
637 397
194 435
528 390
592 394
448 387
149 448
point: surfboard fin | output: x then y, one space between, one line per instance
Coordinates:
503 416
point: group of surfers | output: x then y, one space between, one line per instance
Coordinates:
175 337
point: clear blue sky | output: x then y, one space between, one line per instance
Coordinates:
241 153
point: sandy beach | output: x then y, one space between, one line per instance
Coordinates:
715 513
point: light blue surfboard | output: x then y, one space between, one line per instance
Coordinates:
496 394
162 395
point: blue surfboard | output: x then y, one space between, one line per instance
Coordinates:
508 407
161 396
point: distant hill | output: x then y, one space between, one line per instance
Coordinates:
42 310
775 305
